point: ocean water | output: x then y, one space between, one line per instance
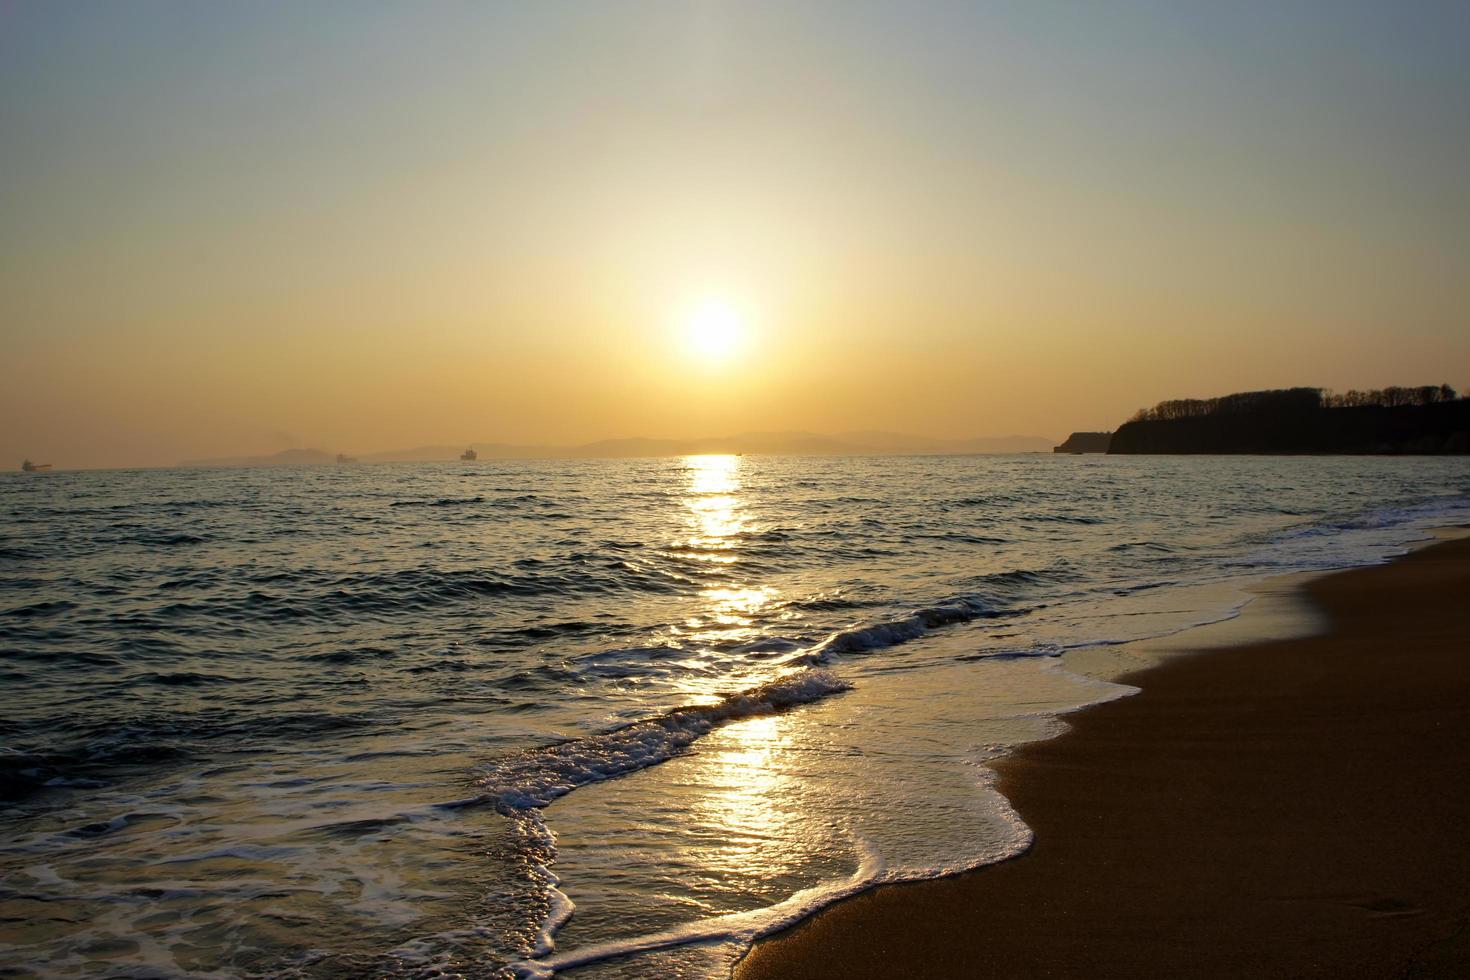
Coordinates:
596 718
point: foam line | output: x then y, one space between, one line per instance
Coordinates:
538 776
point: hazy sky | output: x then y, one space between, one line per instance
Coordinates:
238 227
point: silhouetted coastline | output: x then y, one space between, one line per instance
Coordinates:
1430 420
1085 442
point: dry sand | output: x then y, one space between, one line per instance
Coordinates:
1294 808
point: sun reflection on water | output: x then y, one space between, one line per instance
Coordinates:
715 511
717 523
743 779
744 785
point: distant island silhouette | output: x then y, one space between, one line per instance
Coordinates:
1085 442
769 443
1432 419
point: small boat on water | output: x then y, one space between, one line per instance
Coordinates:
469 455
344 458
29 467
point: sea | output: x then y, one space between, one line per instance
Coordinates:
590 718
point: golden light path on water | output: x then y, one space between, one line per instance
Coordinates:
735 832
715 512
717 518
738 777
742 786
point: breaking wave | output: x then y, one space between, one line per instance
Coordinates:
534 778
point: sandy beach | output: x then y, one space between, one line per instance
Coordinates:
1286 808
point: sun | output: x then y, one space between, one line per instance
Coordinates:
714 330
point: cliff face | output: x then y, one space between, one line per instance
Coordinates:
1085 442
1419 429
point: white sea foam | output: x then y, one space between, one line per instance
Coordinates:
910 816
882 635
535 777
742 928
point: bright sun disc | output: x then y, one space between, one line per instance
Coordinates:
714 330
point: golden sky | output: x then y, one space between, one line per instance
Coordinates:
237 228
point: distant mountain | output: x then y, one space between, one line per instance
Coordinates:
286 457
813 444
486 450
774 443
897 442
767 443
1002 444
638 446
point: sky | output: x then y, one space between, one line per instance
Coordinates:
240 228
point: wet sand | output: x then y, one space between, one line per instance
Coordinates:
1292 808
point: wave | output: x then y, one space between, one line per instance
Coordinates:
441 502
1061 518
385 593
959 537
513 502
24 773
163 539
43 608
350 655
1056 574
536 777
830 602
741 929
97 751
185 678
882 635
58 659
1143 546
1446 508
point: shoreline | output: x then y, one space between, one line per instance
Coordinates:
1263 807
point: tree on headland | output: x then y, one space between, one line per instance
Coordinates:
1393 397
1290 401
1423 419
1275 401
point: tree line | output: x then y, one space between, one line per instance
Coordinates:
1290 401
1390 397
